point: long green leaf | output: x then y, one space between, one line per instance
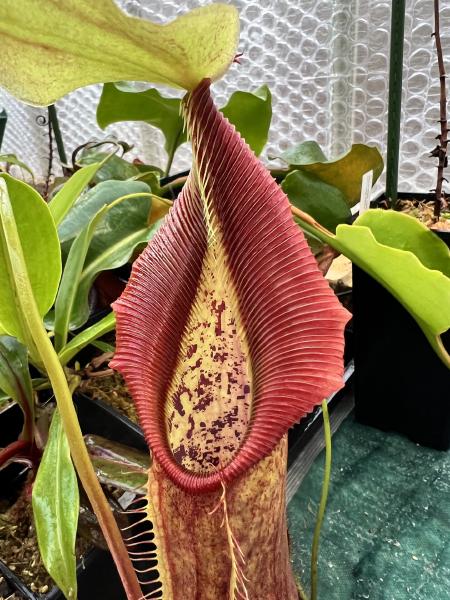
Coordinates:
70 279
75 262
55 508
51 48
251 114
15 378
89 203
406 258
86 337
123 228
63 201
23 207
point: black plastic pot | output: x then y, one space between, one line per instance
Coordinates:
400 383
97 574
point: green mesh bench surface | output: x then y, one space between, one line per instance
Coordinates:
386 534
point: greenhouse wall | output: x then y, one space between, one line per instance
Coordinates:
326 64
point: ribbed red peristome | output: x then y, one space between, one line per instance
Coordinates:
293 321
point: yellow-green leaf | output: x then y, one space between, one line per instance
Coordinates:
51 48
55 509
23 209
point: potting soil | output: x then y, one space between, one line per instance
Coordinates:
386 534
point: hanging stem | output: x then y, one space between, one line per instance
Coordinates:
441 149
323 501
3 120
53 118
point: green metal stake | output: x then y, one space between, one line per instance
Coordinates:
395 99
3 119
53 118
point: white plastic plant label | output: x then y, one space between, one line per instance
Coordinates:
366 192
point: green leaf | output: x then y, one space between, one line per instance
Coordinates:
123 229
96 234
23 209
52 48
118 465
344 172
152 179
92 201
404 256
15 378
324 202
251 114
86 337
56 501
114 167
64 199
103 346
11 159
70 279
390 228
149 106
306 153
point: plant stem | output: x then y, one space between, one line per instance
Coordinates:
395 99
441 149
35 327
53 118
323 501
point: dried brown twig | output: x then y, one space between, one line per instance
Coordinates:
441 149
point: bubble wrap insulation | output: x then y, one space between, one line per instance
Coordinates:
326 63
